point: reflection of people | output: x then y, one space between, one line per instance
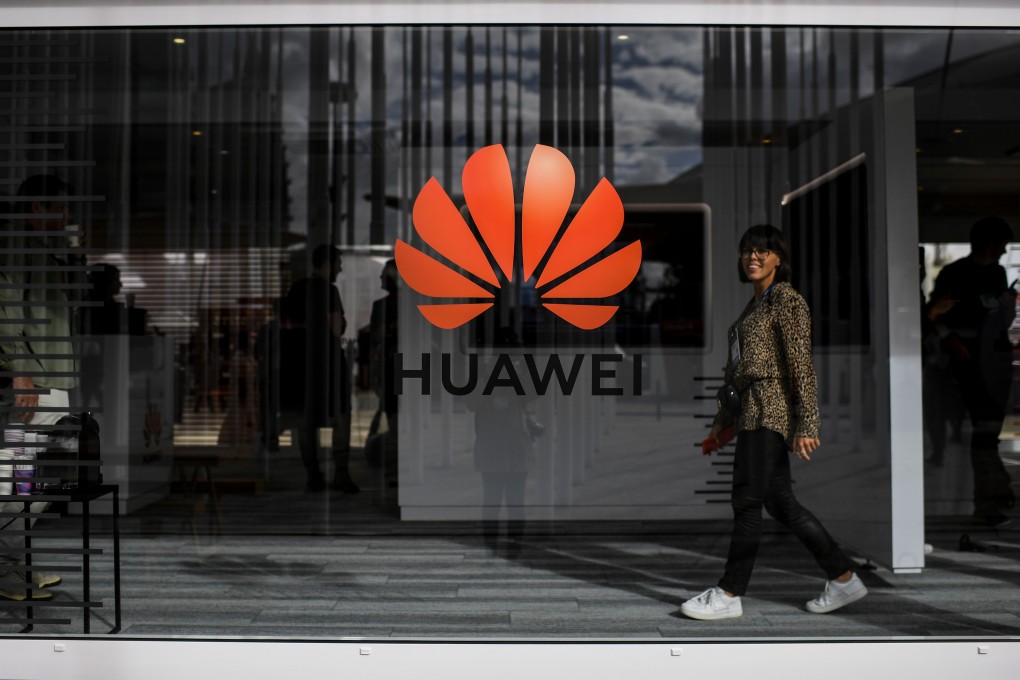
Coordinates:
980 356
240 421
313 350
503 455
267 357
382 349
940 399
770 364
113 317
42 359
383 344
205 362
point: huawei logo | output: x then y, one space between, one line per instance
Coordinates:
566 275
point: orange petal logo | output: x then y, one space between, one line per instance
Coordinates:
489 193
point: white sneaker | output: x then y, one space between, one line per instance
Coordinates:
44 579
837 595
13 587
713 604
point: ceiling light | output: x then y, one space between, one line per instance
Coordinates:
179 41
623 36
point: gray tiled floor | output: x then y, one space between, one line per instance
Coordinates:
284 563
613 584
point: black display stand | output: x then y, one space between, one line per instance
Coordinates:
85 496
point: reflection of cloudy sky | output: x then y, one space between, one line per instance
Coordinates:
657 92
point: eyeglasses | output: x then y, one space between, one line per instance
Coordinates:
760 253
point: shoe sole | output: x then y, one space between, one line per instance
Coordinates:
714 616
20 597
49 583
815 609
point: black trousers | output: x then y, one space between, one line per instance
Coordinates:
761 478
986 405
308 442
499 488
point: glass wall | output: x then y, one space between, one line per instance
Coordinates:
200 225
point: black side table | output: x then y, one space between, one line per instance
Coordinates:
85 496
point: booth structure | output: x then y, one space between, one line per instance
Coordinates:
845 194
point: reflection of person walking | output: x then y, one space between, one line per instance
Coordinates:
382 350
504 453
974 331
770 365
383 339
316 314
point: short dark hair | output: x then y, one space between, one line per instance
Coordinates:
101 279
324 254
990 231
41 185
766 237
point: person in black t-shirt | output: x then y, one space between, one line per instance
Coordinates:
974 333
315 379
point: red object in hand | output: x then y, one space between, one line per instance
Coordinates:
711 444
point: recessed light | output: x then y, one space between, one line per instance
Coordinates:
957 131
196 133
623 36
179 41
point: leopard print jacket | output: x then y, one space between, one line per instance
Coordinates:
775 376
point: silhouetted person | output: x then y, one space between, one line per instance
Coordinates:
113 318
240 422
980 355
504 453
267 357
941 402
383 344
381 449
313 350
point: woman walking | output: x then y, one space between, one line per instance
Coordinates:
772 405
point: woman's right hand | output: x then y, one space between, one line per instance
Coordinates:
803 447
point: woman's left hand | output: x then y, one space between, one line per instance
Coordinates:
805 446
